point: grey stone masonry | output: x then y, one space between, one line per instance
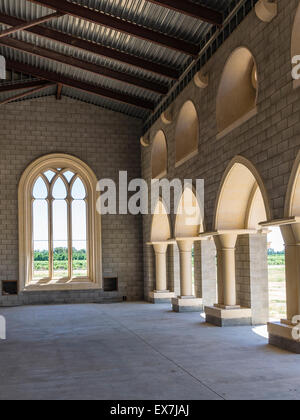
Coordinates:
270 140
107 141
252 276
205 272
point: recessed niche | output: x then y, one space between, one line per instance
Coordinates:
9 288
159 157
187 133
110 284
237 95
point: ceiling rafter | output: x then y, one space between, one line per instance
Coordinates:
120 25
27 93
21 85
77 84
59 91
30 24
192 9
91 47
83 65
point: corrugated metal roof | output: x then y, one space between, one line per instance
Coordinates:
140 12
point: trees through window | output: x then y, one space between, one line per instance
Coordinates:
59 219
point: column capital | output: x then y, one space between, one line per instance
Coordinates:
219 232
281 222
168 242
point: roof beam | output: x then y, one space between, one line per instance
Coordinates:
83 65
24 94
59 91
194 10
120 25
22 85
77 84
27 25
91 47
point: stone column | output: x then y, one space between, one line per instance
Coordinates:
291 237
226 258
161 294
227 312
186 279
187 302
161 266
286 333
174 269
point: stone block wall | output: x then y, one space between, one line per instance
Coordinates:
270 140
107 141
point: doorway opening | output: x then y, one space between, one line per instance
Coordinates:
276 272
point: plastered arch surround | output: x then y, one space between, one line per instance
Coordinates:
292 204
186 133
189 217
159 156
242 202
161 227
25 221
238 89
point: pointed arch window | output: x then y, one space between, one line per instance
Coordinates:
59 226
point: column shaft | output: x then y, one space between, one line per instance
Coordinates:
186 276
227 272
161 267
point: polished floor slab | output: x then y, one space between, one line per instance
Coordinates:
137 351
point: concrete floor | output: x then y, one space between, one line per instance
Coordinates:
137 351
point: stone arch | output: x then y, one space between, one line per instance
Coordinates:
292 202
242 201
189 216
186 133
239 88
161 226
159 156
63 162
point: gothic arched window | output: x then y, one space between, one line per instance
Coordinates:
60 228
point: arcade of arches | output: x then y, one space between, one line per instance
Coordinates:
235 124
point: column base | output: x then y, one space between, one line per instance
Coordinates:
161 297
228 316
187 304
280 335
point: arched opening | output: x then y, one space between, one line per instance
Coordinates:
159 157
242 205
189 216
237 95
60 232
277 278
187 133
161 228
189 224
295 44
242 201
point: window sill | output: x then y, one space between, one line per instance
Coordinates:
186 158
160 176
80 284
237 123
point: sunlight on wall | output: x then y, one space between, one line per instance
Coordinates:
275 240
